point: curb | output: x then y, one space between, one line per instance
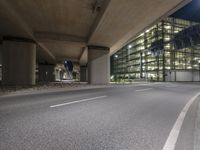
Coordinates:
67 89
44 91
197 130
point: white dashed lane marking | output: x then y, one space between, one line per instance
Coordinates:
142 90
78 101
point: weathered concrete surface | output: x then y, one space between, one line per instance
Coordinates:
98 66
83 74
74 24
19 62
84 57
124 19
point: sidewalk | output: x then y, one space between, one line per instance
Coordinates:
57 87
189 137
197 129
44 88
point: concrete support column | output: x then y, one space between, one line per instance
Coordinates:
83 74
57 75
98 65
46 73
1 49
18 61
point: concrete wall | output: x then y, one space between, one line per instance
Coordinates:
1 49
196 76
18 63
182 75
98 66
46 73
171 77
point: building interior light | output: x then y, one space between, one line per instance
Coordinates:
167 39
167 46
142 34
148 53
147 31
136 57
130 46
167 27
142 47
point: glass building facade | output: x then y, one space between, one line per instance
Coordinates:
136 60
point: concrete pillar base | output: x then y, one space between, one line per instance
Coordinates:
19 61
98 65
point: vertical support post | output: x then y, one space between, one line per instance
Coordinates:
19 61
98 65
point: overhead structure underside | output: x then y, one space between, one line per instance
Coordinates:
63 29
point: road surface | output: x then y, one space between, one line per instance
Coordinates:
138 117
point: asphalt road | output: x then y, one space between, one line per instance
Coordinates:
120 118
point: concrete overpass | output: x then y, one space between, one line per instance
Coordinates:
84 31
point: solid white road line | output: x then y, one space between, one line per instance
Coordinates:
173 136
79 101
141 90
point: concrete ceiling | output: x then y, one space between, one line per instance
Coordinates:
123 20
63 28
70 50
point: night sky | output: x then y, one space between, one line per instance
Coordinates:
189 12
